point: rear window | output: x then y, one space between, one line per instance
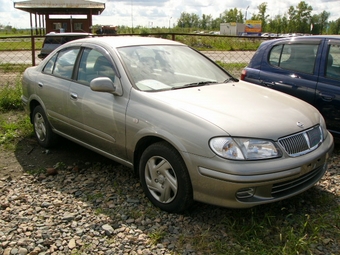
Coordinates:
53 40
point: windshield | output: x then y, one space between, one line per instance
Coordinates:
159 67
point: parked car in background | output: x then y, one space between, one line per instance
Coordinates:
54 40
189 129
306 67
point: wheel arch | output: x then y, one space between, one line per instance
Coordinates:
145 142
33 103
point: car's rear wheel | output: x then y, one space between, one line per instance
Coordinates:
42 128
165 179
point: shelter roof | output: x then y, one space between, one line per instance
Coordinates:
60 6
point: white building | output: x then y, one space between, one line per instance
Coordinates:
232 28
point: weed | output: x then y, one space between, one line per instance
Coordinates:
10 97
36 171
156 236
13 129
60 165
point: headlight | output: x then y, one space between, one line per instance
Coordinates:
323 127
244 148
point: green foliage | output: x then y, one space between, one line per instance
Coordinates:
17 68
14 128
10 97
156 236
22 44
286 228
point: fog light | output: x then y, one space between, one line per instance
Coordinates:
245 193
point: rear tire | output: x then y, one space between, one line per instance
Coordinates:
165 178
42 128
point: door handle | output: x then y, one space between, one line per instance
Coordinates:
268 84
326 97
74 95
278 83
40 84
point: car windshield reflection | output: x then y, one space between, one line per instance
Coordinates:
157 67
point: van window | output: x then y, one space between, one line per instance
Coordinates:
333 62
295 57
53 40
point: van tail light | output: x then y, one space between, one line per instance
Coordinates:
243 74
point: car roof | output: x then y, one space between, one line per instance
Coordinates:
309 37
122 41
67 34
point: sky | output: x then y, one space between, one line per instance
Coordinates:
165 13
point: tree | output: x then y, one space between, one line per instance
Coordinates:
206 22
300 18
324 20
262 15
187 20
232 15
334 27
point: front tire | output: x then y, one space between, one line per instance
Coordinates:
165 179
42 128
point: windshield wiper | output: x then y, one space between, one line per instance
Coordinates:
231 79
195 84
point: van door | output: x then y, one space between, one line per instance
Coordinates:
292 68
327 98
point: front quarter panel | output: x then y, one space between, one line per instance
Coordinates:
149 117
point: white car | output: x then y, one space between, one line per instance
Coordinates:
188 128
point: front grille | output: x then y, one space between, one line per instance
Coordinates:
303 142
284 188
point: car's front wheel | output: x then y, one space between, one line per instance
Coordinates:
42 129
165 179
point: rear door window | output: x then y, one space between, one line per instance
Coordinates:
62 63
291 68
333 62
295 57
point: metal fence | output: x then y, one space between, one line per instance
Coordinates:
233 53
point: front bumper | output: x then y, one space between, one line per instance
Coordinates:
242 184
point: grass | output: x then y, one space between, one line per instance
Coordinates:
288 227
10 97
13 68
19 44
198 42
12 126
219 43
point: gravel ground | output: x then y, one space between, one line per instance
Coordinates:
70 201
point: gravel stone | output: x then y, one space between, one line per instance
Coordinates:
97 208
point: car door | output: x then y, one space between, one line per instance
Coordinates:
291 67
327 98
53 87
99 117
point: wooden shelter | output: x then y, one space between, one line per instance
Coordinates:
41 11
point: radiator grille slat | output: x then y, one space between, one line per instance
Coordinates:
303 142
280 188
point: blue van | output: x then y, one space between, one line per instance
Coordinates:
307 67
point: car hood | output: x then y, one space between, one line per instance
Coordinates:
243 109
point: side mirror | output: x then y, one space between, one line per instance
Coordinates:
105 84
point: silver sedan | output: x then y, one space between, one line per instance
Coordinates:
189 129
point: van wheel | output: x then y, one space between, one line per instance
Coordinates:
165 179
42 128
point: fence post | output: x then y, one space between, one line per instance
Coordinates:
173 36
33 50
